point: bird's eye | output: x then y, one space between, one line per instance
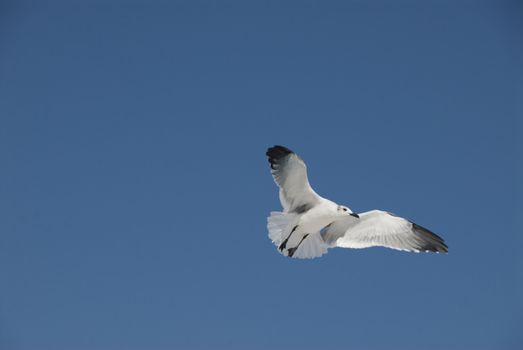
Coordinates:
344 209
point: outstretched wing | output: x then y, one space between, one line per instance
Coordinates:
290 174
379 228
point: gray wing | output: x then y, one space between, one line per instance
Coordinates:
379 228
290 174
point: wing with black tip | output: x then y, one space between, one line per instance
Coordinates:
380 228
290 174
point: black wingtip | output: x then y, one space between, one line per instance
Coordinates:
276 153
431 241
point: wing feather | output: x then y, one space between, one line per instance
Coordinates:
290 174
380 228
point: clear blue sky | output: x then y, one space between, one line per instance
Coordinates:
134 187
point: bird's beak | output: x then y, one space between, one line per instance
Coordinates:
355 215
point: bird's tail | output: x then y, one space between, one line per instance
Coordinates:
280 226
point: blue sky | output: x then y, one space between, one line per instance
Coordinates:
134 188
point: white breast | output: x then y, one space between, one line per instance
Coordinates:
318 217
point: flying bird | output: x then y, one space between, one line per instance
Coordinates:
310 224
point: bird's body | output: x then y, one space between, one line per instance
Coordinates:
313 220
310 224
319 216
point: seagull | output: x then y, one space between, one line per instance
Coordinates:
309 224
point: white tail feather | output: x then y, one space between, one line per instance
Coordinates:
280 225
312 247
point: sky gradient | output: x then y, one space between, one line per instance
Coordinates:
134 187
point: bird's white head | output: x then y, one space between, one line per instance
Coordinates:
343 210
